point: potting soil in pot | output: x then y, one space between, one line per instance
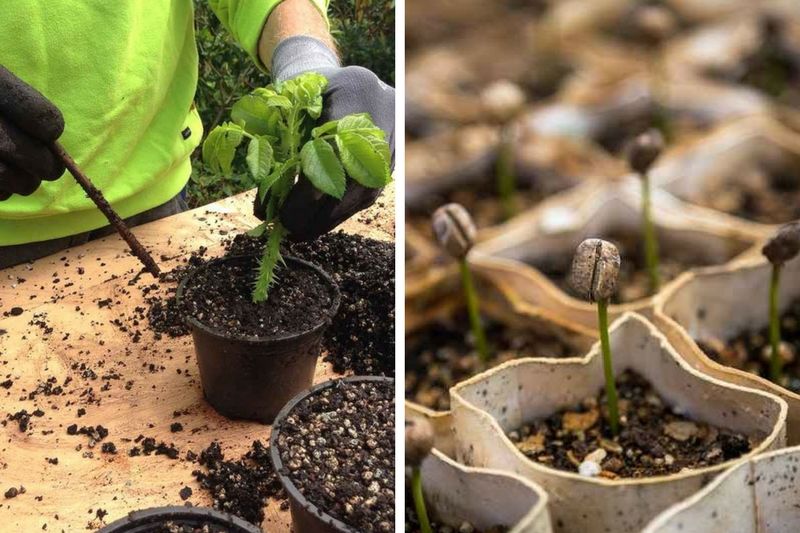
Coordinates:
443 354
653 439
412 523
172 527
751 351
634 281
221 297
337 448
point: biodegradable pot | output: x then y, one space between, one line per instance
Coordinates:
761 495
253 377
597 210
455 494
518 392
699 169
150 520
307 517
720 303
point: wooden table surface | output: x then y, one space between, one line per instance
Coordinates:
69 331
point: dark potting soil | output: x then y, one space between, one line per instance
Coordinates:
412 523
750 350
240 487
172 527
443 354
634 281
220 297
337 448
653 439
360 338
481 199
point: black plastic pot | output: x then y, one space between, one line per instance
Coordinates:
307 517
253 377
149 520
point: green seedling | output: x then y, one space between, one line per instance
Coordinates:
595 270
419 442
503 101
642 153
455 231
782 247
284 146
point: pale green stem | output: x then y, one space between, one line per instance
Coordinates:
650 239
473 310
608 369
776 361
419 500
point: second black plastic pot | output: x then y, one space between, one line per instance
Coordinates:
253 377
154 520
307 517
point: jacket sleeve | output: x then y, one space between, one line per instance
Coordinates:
245 20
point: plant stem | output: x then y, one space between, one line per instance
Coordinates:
776 362
506 177
608 369
270 260
419 500
650 240
474 312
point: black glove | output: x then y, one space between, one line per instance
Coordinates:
308 213
29 123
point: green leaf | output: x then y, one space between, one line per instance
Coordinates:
220 147
321 166
360 123
259 158
255 114
363 161
258 231
328 127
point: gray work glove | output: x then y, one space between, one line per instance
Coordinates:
29 123
308 213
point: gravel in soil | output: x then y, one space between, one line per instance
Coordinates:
221 297
443 354
481 199
750 350
653 440
634 281
240 487
337 448
412 523
172 527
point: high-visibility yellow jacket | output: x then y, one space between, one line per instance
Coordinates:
124 74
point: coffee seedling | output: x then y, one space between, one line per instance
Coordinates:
595 270
419 442
284 146
642 153
503 101
782 247
455 231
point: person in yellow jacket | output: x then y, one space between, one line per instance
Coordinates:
123 75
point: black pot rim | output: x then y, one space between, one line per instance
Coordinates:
336 296
153 515
274 453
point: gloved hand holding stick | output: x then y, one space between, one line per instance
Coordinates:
30 126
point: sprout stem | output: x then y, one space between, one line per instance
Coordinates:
608 370
506 176
776 362
474 312
419 500
650 240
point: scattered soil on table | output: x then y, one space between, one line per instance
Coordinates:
750 350
240 487
220 297
337 448
481 199
443 354
634 281
768 197
412 523
653 439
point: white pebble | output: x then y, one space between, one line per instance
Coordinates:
589 469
